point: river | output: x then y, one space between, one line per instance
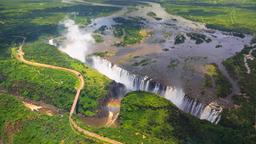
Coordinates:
181 85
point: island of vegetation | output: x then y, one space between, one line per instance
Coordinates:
35 101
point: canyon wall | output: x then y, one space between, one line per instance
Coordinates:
176 95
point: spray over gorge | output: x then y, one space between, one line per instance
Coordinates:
133 82
174 94
127 71
105 56
77 41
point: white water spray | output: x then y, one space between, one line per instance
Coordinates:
76 45
77 41
176 95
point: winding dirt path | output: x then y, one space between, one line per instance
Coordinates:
249 56
20 56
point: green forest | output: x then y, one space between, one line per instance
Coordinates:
144 117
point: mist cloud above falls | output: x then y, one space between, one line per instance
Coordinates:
77 41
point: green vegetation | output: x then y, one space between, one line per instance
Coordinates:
102 54
131 9
179 39
129 29
102 29
211 70
131 133
151 14
81 21
117 2
37 20
132 37
19 125
98 38
33 19
238 34
165 49
244 114
199 38
253 40
118 31
173 63
142 62
53 87
225 15
167 35
96 84
148 118
49 20
218 46
158 18
144 118
215 79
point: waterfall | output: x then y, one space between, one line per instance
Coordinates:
176 95
52 42
76 41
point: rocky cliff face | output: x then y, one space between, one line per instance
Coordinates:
134 82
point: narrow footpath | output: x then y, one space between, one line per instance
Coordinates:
20 56
249 56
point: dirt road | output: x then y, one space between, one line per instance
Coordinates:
20 56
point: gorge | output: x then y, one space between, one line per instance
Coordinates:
176 95
79 44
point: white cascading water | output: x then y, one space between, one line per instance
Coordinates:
77 41
76 45
214 109
52 42
176 95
